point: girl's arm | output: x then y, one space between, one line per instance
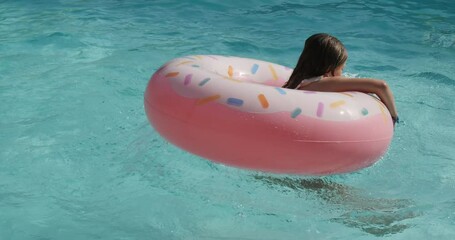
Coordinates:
366 85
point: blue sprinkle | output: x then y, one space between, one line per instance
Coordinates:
204 82
235 102
296 112
194 65
280 90
254 69
364 111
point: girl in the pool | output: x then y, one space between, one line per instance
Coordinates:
320 67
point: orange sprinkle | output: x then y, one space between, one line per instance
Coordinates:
337 104
275 76
172 74
230 71
208 99
263 101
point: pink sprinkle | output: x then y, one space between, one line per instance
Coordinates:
320 110
187 79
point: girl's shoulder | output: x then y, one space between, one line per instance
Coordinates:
308 81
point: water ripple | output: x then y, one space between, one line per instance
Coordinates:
434 77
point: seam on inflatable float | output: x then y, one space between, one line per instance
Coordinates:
341 141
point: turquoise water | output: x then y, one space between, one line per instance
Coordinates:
79 160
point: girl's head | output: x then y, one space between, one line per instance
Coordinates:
323 54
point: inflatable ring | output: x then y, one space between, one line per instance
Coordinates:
233 111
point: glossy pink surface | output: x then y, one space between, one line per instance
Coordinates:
273 142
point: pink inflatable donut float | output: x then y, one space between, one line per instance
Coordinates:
232 111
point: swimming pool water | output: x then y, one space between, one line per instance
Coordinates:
78 159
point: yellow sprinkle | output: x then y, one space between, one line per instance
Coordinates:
185 62
208 99
347 94
172 74
275 76
230 71
198 57
232 79
235 80
337 104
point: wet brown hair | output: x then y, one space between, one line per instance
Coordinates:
322 53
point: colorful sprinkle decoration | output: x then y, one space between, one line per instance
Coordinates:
275 76
230 71
346 94
235 102
203 82
320 110
296 112
337 104
255 68
187 80
172 74
208 99
185 62
281 91
263 100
